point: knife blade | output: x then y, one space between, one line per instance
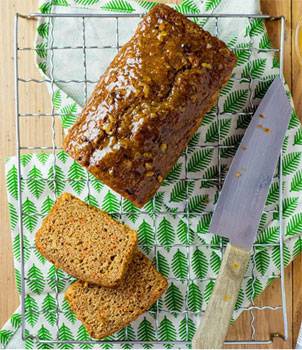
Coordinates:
239 208
242 199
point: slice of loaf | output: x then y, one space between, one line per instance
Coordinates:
86 242
104 311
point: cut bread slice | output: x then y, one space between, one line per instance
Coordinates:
104 311
86 242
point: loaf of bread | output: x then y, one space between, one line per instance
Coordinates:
149 103
86 242
104 311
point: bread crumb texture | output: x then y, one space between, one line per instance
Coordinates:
104 311
86 242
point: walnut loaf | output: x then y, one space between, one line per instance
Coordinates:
149 103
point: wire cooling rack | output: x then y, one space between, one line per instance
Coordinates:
54 148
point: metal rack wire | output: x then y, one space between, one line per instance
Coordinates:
54 148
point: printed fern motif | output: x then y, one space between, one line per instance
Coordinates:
118 6
187 329
162 265
291 162
18 280
204 223
91 200
197 204
31 310
35 281
230 144
243 54
86 2
13 216
193 143
269 235
199 264
296 183
254 69
185 233
154 205
47 205
235 101
68 115
210 5
12 182
49 309
43 30
25 159
215 260
96 184
265 42
297 247
16 320
255 28
65 334
35 183
180 190
68 313
262 259
294 226
55 279
173 298
56 180
273 194
165 233
146 331
147 5
43 157
200 159
17 248
263 86
63 156
110 203
253 288
289 206
145 236
218 129
208 291
298 137
187 7
30 218
57 99
180 265
76 176
5 337
276 255
194 298
83 336
227 88
294 121
44 334
131 210
173 175
166 331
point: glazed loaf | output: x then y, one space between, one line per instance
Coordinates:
149 103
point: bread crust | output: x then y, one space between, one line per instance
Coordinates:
149 103
78 245
105 311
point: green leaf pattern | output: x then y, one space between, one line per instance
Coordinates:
181 247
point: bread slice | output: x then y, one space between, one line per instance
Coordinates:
104 311
86 242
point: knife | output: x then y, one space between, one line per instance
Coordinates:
239 208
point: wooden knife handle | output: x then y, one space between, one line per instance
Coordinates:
212 330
